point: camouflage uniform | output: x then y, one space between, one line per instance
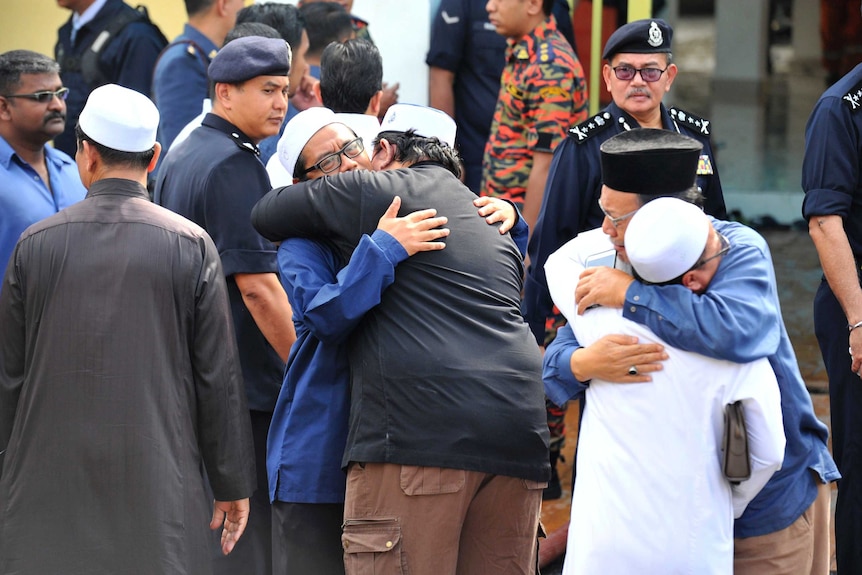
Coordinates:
542 92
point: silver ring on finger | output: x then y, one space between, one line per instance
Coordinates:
633 370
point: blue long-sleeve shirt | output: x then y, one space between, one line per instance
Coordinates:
309 427
737 319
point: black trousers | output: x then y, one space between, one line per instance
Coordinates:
253 552
306 538
845 400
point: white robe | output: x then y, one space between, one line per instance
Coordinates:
650 496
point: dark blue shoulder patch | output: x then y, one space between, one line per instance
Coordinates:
588 128
701 125
853 98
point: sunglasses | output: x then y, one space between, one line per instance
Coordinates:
42 97
626 73
332 162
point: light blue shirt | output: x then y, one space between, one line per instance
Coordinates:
24 197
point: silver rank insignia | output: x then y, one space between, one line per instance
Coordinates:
655 38
853 99
587 128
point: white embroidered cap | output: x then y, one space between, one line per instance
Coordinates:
425 121
120 119
665 238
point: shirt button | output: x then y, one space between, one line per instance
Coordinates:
633 309
637 298
388 544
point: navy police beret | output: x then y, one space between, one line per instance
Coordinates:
650 161
639 37
245 58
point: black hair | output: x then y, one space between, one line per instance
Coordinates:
285 18
692 195
17 62
411 148
194 7
351 73
325 22
111 157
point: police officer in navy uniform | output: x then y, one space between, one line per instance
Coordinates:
214 178
638 71
125 55
466 60
180 83
832 180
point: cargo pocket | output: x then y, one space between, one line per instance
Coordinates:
373 547
418 480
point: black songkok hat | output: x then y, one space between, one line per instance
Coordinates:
650 161
649 36
246 58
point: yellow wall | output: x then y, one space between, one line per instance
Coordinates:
33 24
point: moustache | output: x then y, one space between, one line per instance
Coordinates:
638 92
54 116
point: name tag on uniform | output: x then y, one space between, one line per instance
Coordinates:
704 166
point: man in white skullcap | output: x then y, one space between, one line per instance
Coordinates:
785 528
650 496
309 429
120 379
446 450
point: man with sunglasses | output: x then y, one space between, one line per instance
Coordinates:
214 178
785 528
36 180
638 72
651 496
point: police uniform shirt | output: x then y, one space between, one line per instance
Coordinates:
214 178
180 82
464 41
127 60
831 174
574 185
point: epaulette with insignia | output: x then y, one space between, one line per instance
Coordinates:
545 52
244 144
588 128
702 125
853 98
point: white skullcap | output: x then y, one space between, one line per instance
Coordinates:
120 119
298 132
425 121
665 239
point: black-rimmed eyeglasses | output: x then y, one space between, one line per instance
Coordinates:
332 162
42 97
626 73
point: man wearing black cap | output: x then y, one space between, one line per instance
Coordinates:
214 178
638 71
120 379
650 495
785 528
